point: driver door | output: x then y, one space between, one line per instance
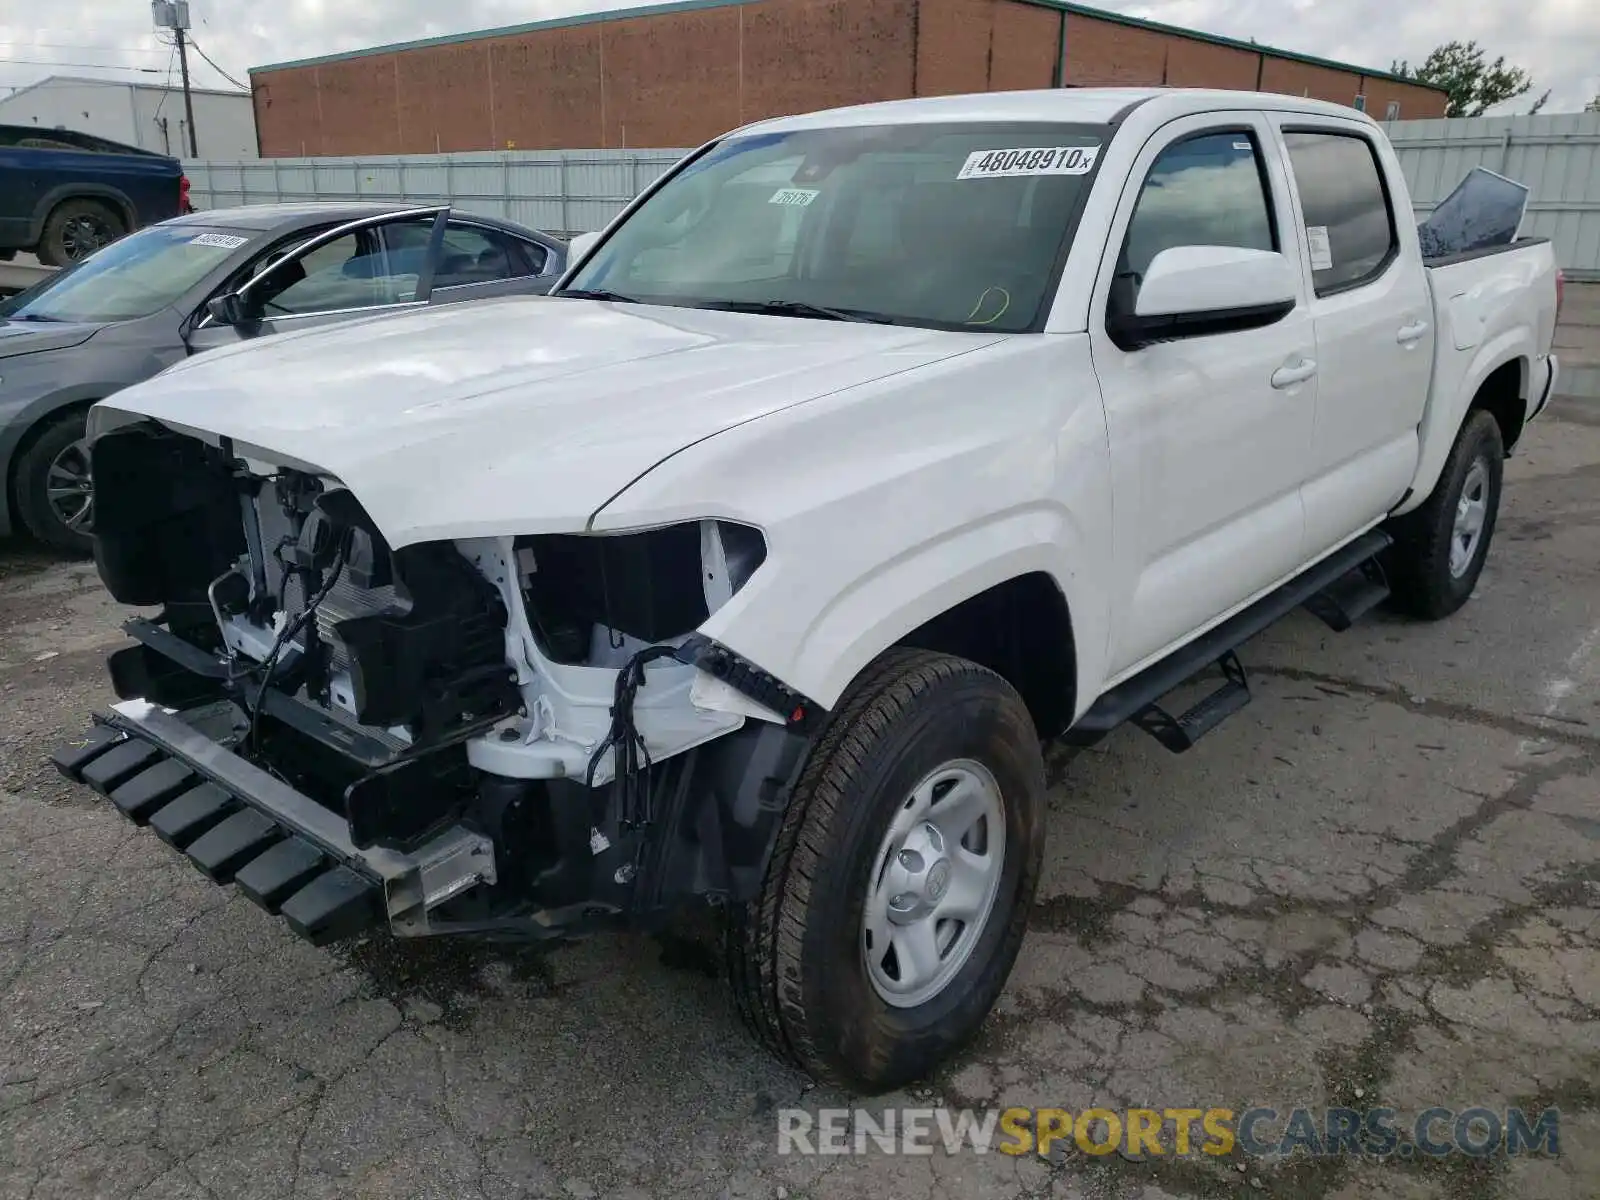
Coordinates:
1210 434
358 269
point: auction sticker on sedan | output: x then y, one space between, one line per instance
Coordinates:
1034 160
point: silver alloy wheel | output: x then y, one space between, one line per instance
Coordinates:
69 488
933 883
1472 511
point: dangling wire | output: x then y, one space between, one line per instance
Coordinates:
285 636
632 755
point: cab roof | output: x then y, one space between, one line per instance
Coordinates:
1088 106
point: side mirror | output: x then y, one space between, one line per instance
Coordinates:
227 310
580 245
1193 291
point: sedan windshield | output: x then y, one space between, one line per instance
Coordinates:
950 226
137 276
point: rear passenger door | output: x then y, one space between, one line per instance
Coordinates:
1210 435
1373 320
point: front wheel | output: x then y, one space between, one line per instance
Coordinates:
1439 548
900 886
55 494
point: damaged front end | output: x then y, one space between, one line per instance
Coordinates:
511 736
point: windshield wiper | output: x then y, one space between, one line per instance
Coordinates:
801 308
598 294
35 317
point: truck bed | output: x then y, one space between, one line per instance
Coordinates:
1480 299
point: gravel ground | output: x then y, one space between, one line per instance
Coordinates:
1380 884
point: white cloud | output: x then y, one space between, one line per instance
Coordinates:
1557 40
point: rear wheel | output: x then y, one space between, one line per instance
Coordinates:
899 890
75 229
1439 549
55 495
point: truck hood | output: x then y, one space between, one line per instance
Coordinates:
514 416
30 337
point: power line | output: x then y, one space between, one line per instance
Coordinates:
46 62
80 46
166 89
214 66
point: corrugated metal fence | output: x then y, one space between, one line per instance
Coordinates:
1557 156
572 191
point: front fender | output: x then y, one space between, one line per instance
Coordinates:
878 609
892 502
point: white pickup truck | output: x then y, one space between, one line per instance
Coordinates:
864 452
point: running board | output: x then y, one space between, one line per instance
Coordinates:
1322 583
1350 597
1181 733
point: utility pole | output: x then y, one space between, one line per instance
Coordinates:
188 100
174 15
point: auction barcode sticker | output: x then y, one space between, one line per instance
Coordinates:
225 241
1047 160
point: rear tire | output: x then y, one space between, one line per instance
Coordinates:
46 473
808 974
75 229
1439 549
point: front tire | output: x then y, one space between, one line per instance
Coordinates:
55 497
1439 548
902 878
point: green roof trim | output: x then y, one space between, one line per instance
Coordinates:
680 6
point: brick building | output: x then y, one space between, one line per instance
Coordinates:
677 74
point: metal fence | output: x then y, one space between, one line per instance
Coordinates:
1557 156
573 191
567 192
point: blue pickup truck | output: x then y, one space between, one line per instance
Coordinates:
63 195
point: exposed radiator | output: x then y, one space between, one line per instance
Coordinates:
344 602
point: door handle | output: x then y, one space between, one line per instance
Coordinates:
1287 377
1413 332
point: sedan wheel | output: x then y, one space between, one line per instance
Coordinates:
70 488
54 489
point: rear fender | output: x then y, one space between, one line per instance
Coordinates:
57 196
1449 406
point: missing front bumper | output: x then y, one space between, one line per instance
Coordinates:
239 824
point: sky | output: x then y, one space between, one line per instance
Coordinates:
1558 41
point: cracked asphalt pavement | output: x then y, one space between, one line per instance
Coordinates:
1379 884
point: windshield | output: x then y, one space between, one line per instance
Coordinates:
137 276
950 226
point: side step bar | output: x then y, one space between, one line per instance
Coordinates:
1339 589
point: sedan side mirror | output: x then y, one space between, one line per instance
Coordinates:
227 309
580 245
1192 291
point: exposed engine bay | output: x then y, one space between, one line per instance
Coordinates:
547 699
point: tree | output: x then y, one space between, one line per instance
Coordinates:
1473 85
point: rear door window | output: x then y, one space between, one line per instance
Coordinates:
474 254
1350 226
